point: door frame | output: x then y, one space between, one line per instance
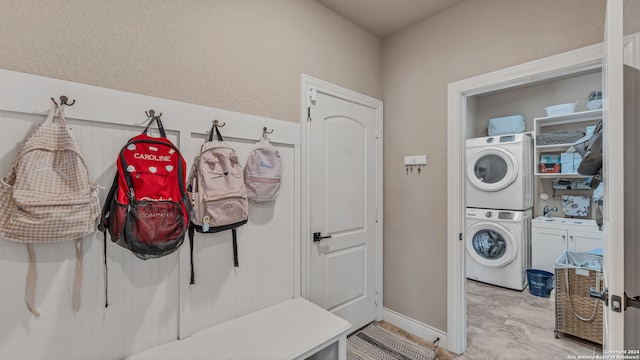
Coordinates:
576 61
307 85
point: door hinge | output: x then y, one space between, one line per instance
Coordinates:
377 295
377 214
460 236
377 134
312 101
312 96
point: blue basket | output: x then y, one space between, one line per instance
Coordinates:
540 282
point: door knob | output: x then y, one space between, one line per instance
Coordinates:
631 302
317 237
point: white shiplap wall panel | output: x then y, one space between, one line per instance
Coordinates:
265 252
150 302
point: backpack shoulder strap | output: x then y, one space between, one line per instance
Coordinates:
235 247
214 128
191 237
104 225
160 127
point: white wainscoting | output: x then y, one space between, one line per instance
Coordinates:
150 302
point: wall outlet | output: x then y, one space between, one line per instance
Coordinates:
415 160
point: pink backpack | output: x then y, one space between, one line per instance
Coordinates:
217 192
263 171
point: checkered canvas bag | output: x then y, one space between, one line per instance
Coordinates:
48 197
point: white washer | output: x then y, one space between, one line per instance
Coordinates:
500 172
498 246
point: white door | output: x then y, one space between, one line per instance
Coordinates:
621 84
614 194
344 192
547 245
584 241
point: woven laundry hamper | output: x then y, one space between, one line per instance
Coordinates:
577 313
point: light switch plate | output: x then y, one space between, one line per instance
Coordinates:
415 160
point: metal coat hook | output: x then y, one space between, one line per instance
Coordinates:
152 114
64 100
265 132
216 123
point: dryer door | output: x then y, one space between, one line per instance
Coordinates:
491 244
492 169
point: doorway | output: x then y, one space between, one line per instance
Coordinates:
342 187
461 96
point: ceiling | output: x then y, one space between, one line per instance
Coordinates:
386 17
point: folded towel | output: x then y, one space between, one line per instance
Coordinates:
576 205
512 124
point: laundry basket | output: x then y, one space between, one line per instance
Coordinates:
577 313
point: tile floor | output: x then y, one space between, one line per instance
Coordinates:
509 324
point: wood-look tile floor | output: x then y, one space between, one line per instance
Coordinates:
510 324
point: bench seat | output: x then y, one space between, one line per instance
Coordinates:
293 329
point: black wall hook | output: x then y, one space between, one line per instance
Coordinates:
152 114
64 100
265 132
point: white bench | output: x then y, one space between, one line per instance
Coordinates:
293 329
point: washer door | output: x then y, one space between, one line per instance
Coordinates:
491 244
492 169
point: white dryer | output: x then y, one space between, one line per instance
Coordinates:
500 172
498 246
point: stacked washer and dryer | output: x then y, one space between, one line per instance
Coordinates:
499 194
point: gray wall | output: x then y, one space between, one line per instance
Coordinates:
472 38
244 56
247 56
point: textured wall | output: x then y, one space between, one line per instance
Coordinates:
244 56
469 39
247 56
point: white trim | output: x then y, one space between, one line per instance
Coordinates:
307 83
587 58
415 327
613 172
299 198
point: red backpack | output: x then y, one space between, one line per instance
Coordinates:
147 208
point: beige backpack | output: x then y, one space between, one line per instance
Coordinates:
217 191
48 197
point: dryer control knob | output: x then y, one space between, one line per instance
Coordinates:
488 214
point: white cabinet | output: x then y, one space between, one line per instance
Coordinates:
549 237
546 245
546 125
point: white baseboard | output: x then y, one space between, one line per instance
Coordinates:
415 327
